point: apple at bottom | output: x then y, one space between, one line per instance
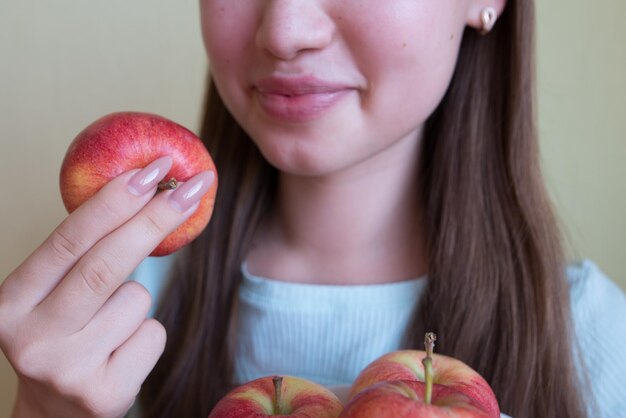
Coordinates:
414 383
285 396
405 399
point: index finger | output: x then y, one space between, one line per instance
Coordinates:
112 206
88 286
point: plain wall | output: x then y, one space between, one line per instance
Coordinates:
65 63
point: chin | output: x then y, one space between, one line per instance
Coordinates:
302 157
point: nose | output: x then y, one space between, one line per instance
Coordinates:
290 27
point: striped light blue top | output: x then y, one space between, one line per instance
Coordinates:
328 334
323 333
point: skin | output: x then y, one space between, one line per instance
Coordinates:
110 146
346 211
74 331
80 349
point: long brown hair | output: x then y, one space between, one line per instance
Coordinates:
496 295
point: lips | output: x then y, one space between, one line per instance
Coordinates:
298 99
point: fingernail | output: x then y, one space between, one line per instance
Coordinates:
149 177
191 191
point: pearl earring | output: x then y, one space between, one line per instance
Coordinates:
488 18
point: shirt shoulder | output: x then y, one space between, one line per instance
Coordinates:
589 283
599 317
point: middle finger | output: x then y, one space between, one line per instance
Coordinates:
101 271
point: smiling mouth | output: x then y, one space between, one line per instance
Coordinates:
298 99
298 107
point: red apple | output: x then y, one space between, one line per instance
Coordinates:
123 141
285 396
414 383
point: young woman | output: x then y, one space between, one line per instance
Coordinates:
379 178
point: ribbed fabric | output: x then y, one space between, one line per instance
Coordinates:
599 314
329 333
323 333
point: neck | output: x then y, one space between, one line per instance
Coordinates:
360 225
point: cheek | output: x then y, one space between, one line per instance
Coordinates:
228 33
410 56
227 30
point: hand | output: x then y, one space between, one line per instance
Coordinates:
73 329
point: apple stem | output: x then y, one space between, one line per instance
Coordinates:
171 184
278 384
429 343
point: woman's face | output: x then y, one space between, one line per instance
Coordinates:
325 85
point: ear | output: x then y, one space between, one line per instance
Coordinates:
477 6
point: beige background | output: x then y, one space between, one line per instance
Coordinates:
65 63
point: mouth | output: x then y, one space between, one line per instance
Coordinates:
298 99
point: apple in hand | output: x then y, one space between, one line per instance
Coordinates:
123 141
285 396
413 383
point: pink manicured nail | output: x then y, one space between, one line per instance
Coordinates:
149 177
191 191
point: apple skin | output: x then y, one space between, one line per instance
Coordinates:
122 141
301 398
448 373
405 399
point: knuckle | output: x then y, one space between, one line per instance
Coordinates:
156 332
154 225
64 245
96 404
138 294
23 364
137 291
66 379
98 275
111 209
28 362
66 383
